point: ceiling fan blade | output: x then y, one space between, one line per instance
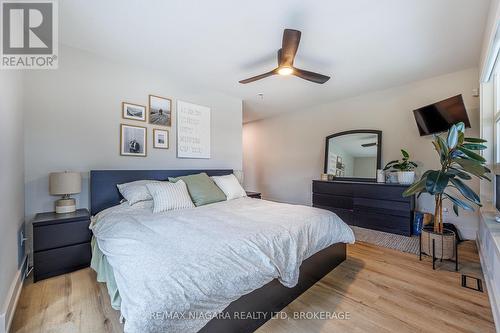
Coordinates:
290 44
258 77
371 144
310 76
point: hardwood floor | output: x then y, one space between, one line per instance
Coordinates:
377 289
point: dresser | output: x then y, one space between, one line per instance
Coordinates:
376 206
61 243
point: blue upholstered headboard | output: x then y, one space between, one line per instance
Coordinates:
105 194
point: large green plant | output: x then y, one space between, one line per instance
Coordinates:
459 162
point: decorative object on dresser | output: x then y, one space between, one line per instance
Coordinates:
133 111
405 168
459 162
61 243
255 195
160 138
133 140
65 183
368 205
353 155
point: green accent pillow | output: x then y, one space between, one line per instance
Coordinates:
202 189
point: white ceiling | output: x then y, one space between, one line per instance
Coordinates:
364 45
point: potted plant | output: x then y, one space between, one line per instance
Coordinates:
459 163
405 168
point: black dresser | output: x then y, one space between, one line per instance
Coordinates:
377 206
61 243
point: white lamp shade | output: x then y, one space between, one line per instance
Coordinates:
61 183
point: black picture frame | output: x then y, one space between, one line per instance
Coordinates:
379 152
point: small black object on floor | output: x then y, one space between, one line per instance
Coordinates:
476 282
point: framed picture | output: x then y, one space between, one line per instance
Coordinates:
193 130
339 162
160 138
133 111
133 140
160 111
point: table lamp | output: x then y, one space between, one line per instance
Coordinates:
65 184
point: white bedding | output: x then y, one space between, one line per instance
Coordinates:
195 261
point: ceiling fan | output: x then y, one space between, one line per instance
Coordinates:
286 56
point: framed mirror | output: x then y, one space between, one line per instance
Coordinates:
354 155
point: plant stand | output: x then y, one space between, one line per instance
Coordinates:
439 246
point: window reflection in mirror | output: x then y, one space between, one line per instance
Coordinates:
353 155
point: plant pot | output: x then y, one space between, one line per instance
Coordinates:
444 244
406 177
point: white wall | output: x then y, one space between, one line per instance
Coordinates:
73 116
11 185
489 35
282 155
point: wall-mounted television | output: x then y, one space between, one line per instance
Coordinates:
439 117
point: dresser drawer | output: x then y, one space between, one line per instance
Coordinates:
345 215
386 207
63 260
61 234
387 223
382 192
335 201
332 188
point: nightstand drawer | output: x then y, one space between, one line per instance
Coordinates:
59 261
62 234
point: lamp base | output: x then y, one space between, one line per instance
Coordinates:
65 206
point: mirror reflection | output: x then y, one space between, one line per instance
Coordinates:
353 155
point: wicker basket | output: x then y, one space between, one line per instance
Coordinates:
444 243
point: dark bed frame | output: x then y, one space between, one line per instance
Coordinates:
267 300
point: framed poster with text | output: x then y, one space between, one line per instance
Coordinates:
193 130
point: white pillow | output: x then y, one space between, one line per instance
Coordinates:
230 186
169 196
136 191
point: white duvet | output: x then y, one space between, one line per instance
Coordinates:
176 270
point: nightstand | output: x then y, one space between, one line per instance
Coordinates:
61 243
255 195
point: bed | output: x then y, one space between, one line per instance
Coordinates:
223 267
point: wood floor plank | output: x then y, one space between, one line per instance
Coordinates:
381 290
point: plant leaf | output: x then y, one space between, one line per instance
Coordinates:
474 146
472 154
460 127
475 140
466 191
415 187
443 148
458 173
452 137
436 182
459 202
472 167
405 153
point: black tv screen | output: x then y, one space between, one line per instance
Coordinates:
439 117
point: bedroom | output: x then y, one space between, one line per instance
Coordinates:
286 232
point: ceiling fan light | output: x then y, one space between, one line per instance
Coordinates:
285 70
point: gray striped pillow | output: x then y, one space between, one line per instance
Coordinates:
169 196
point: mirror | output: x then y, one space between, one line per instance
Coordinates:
353 155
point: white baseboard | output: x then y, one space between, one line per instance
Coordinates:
8 309
494 303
